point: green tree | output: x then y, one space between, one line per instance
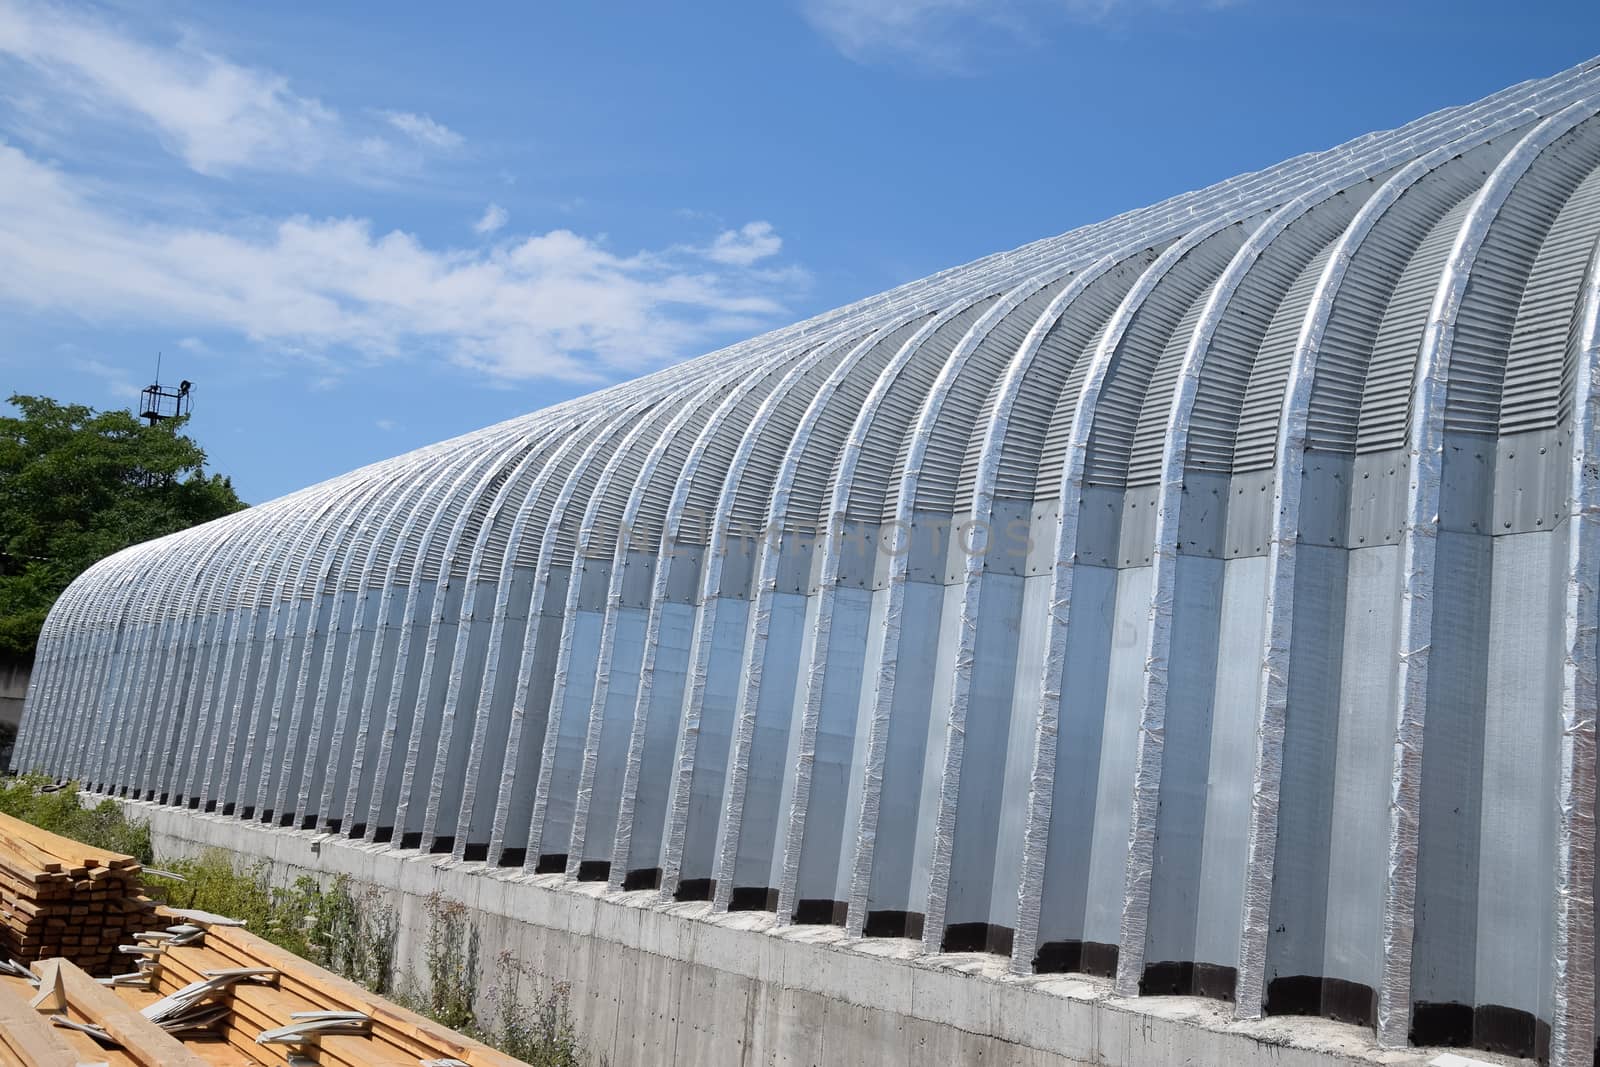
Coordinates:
78 484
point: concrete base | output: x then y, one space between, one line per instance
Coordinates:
657 983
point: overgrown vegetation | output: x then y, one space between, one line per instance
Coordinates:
452 982
349 930
36 799
535 1027
353 933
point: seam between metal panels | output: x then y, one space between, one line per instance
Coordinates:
730 483
120 605
1030 877
883 696
827 587
128 573
541 456
556 708
238 541
1042 774
358 775
436 512
271 600
613 603
614 585
621 851
463 504
499 613
386 494
1572 1031
391 493
1425 446
344 775
250 614
1140 863
1273 685
305 587
171 690
541 585
337 543
74 664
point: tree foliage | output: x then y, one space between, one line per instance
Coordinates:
78 484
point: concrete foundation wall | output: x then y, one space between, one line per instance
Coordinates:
661 984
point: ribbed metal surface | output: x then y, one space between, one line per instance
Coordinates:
1262 405
1032 424
1130 419
1143 458
814 469
1359 309
1494 306
885 447
952 431
1386 396
1531 397
1250 349
1053 456
1334 757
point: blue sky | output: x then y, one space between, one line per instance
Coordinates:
362 228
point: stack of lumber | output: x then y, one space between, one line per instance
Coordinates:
49 1021
210 994
62 898
269 1005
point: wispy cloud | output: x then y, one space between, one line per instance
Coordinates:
554 304
494 218
423 130
115 379
748 244
945 35
218 116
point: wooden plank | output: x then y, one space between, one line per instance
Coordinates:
258 1007
341 994
29 1035
51 996
73 853
142 1039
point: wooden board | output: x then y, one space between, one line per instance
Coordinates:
142 1039
27 1035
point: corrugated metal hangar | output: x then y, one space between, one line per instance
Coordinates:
1204 598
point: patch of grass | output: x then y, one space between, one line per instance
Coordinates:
36 799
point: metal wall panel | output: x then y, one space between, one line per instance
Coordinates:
1202 598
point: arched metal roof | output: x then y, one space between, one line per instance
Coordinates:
1204 598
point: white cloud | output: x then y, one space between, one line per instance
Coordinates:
749 243
117 380
385 424
494 217
919 29
556 304
944 34
217 115
423 130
